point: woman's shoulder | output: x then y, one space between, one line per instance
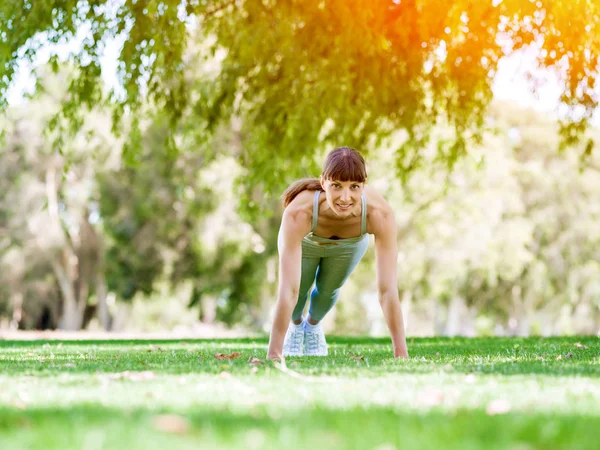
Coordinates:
379 210
301 206
375 201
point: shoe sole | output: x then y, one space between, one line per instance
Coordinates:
316 354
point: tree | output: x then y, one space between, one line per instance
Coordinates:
54 250
307 75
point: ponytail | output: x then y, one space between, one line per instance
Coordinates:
305 184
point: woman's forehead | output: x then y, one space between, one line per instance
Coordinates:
343 182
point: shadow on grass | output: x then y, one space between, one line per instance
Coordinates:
55 428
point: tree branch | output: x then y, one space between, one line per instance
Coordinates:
216 9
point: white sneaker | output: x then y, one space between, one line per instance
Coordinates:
294 340
314 341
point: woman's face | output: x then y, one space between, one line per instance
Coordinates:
343 197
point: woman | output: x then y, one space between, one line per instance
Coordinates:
322 238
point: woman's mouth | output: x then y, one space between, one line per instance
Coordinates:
343 207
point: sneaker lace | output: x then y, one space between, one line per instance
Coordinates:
295 341
312 341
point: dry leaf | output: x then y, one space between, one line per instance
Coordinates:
559 357
19 404
171 423
579 345
133 376
153 348
568 355
222 356
255 361
141 376
431 397
357 358
497 407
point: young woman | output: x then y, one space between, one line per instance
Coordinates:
322 238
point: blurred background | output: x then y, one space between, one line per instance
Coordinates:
140 193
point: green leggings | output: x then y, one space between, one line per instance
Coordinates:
327 263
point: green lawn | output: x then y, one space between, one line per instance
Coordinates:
463 394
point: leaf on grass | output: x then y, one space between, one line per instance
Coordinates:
154 348
133 376
568 355
255 361
21 401
559 357
580 345
497 407
141 376
171 423
222 356
19 404
357 357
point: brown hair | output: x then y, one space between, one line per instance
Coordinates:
341 164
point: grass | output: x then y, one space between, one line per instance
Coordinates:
492 393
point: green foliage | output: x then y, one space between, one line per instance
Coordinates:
309 75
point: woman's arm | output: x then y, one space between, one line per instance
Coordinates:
386 255
294 226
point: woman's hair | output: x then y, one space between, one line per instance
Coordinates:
341 164
345 164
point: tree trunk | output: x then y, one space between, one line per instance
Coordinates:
455 310
406 306
17 309
72 318
439 317
102 310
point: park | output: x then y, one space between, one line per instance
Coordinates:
368 224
